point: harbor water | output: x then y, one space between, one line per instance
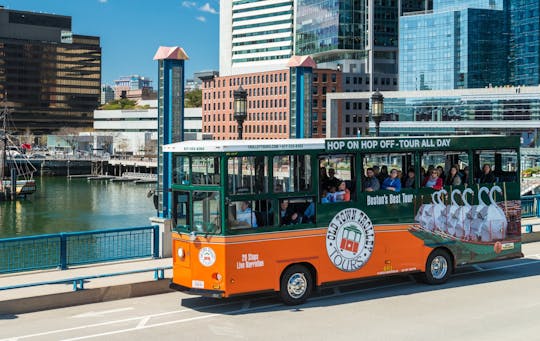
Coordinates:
68 205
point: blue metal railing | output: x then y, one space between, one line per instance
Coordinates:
530 206
75 248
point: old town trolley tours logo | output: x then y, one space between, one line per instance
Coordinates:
350 239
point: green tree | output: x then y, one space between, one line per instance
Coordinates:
119 104
193 99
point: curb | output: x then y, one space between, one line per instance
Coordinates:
86 296
530 237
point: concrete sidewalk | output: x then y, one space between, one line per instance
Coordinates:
23 300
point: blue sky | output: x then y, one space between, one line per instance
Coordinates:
132 30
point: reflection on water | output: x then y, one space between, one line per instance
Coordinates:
62 205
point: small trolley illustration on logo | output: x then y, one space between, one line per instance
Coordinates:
350 239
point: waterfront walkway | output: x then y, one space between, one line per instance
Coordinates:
51 296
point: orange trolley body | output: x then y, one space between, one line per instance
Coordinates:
255 216
255 262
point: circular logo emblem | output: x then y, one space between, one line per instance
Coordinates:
350 239
207 256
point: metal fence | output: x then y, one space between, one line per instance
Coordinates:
75 248
529 206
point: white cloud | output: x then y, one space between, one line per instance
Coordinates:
103 1
201 19
207 8
189 4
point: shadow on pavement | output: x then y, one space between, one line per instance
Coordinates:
368 289
8 317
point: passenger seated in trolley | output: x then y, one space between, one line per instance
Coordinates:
371 183
343 193
287 216
245 217
332 181
487 175
392 182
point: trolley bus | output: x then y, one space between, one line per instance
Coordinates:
289 216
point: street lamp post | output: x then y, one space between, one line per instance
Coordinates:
240 109
377 109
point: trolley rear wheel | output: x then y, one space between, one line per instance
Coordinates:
296 285
438 267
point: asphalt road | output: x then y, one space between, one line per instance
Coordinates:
492 301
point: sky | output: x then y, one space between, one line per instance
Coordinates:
132 30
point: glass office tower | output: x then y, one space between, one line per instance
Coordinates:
331 30
335 31
525 42
51 76
462 44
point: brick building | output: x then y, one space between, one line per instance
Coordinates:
267 106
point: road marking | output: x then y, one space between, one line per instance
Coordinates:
100 313
16 338
143 322
232 312
145 327
94 325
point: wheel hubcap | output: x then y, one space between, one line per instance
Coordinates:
439 267
297 285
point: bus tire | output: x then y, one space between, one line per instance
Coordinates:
438 267
296 285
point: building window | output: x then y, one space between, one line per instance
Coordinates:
333 78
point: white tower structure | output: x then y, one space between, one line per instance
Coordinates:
255 35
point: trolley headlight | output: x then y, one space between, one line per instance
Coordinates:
217 276
181 253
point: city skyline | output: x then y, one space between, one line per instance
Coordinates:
143 27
